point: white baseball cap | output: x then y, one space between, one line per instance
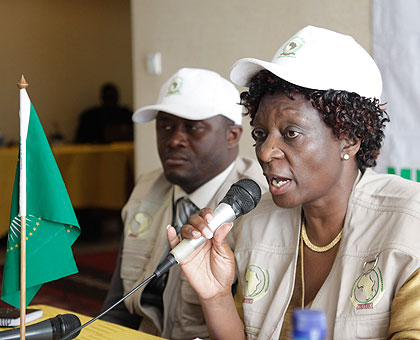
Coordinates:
319 59
195 94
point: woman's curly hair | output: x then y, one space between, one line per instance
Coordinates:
346 113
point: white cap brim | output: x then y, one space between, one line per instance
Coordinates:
148 113
244 69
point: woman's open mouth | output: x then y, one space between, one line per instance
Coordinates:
278 185
278 182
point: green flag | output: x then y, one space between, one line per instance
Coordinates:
51 225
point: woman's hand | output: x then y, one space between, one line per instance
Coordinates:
211 268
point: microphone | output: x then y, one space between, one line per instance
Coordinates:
242 197
51 329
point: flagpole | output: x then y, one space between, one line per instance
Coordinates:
22 277
24 120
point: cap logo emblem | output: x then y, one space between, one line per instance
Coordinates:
257 281
175 87
291 47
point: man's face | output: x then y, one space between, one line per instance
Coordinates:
192 151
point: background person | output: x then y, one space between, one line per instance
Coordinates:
109 122
334 235
198 126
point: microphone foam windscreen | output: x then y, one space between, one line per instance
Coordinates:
243 196
66 323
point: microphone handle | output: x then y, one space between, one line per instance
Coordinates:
222 214
40 331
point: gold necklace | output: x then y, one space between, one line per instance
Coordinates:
315 248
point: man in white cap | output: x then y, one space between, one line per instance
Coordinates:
198 126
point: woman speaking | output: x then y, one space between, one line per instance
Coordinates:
333 235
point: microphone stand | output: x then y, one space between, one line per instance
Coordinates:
162 268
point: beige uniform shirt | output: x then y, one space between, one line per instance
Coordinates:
146 215
381 229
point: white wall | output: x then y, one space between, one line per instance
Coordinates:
397 56
214 34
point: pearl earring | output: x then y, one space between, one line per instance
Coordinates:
346 156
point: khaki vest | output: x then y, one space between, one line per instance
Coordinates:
382 225
146 215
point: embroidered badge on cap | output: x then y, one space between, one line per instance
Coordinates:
175 86
291 47
257 282
368 288
140 224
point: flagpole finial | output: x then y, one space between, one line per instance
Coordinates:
22 83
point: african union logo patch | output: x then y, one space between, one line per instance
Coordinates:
140 224
257 282
291 47
368 289
175 87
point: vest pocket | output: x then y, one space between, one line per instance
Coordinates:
190 297
373 327
188 318
189 305
368 326
134 260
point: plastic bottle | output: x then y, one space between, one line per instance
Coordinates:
309 324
